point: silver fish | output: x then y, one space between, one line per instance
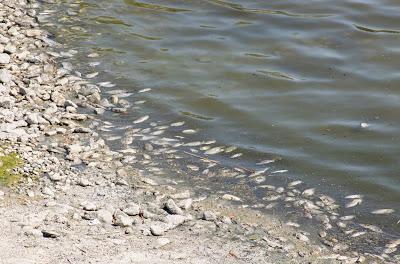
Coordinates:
140 120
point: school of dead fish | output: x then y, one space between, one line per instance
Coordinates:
168 146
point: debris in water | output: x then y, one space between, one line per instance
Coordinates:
364 125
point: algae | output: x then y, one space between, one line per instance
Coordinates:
8 163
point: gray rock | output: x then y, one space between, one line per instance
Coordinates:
209 216
132 209
50 234
32 118
171 207
182 195
186 204
4 58
157 230
122 219
5 76
9 48
163 241
47 191
89 206
175 220
105 216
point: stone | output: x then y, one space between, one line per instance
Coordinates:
4 58
5 76
29 231
105 216
175 220
209 216
132 209
47 191
32 119
89 206
9 48
182 195
50 234
162 241
186 204
171 207
122 219
157 230
84 182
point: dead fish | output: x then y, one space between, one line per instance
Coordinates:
106 84
269 187
372 228
128 150
140 120
236 155
189 131
279 171
382 211
265 162
256 173
230 197
230 149
357 234
194 150
193 144
308 192
139 102
271 205
260 179
294 183
353 196
93 55
205 148
353 203
347 217
214 151
292 224
92 75
177 124
113 138
94 64
193 167
158 132
210 142
144 90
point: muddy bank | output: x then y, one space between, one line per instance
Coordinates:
68 198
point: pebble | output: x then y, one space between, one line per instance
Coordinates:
50 234
89 206
163 241
105 216
122 219
4 58
230 197
157 230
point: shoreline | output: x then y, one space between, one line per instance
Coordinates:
76 202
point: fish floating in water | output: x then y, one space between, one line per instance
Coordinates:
177 124
214 151
279 171
353 203
189 131
382 211
236 155
144 90
265 162
140 120
294 183
353 196
308 192
230 149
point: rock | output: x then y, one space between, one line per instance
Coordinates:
74 149
157 230
182 195
47 191
171 207
163 241
50 234
105 216
56 177
302 237
84 182
89 206
132 209
175 220
9 48
122 219
5 76
32 119
29 231
33 32
4 58
209 216
186 204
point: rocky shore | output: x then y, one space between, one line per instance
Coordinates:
65 197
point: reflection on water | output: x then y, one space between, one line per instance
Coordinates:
284 78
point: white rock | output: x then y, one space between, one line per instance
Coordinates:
105 216
4 58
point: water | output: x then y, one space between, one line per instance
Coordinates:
289 80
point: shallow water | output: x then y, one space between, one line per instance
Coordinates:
284 80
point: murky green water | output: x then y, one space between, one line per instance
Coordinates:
289 79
